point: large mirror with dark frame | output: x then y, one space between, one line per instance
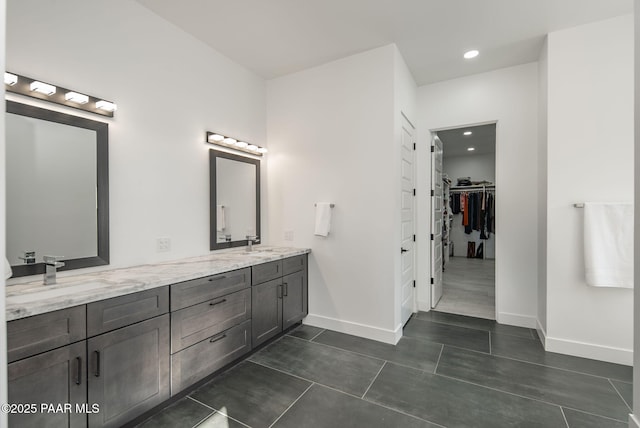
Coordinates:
234 183
57 179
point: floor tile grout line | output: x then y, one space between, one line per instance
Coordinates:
402 412
421 339
215 411
524 396
374 379
200 402
480 329
620 395
323 330
345 350
439 356
593 414
291 405
564 417
527 362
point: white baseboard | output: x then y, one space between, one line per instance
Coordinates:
633 421
355 329
542 334
517 320
589 350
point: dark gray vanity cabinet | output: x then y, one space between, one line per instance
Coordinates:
128 358
47 359
53 377
210 325
279 296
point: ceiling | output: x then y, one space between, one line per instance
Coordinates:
455 143
278 37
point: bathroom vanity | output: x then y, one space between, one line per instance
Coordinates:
115 344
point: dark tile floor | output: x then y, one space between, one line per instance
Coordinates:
447 371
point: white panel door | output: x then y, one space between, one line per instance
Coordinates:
436 221
407 258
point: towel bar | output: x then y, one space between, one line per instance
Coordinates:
331 205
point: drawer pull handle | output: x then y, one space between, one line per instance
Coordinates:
286 289
217 278
79 371
215 339
218 302
280 291
97 371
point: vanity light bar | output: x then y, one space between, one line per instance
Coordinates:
29 87
232 143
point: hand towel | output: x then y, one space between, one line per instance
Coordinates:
7 269
220 222
323 218
608 244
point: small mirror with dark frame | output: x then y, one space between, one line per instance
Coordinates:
57 189
234 204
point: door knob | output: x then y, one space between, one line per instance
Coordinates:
402 250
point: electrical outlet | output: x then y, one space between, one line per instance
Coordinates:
163 245
288 235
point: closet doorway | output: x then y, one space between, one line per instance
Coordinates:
463 221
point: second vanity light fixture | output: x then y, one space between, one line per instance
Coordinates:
45 91
232 143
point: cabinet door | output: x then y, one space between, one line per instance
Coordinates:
294 300
128 371
266 311
55 377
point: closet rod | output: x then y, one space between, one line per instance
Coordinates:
472 189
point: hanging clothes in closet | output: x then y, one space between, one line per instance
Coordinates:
477 208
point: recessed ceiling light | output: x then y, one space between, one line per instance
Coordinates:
471 54
467 133
470 149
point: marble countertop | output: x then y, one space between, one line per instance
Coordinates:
33 298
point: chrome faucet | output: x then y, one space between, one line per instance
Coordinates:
251 239
51 264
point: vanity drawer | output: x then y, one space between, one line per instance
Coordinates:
294 264
200 290
110 314
200 360
195 323
40 333
266 272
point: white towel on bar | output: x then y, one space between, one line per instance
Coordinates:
220 221
323 218
608 244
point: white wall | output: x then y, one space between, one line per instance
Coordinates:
590 158
170 89
478 167
508 96
543 70
331 139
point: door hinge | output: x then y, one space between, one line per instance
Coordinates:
432 280
433 149
432 236
414 192
414 238
414 146
433 192
414 283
